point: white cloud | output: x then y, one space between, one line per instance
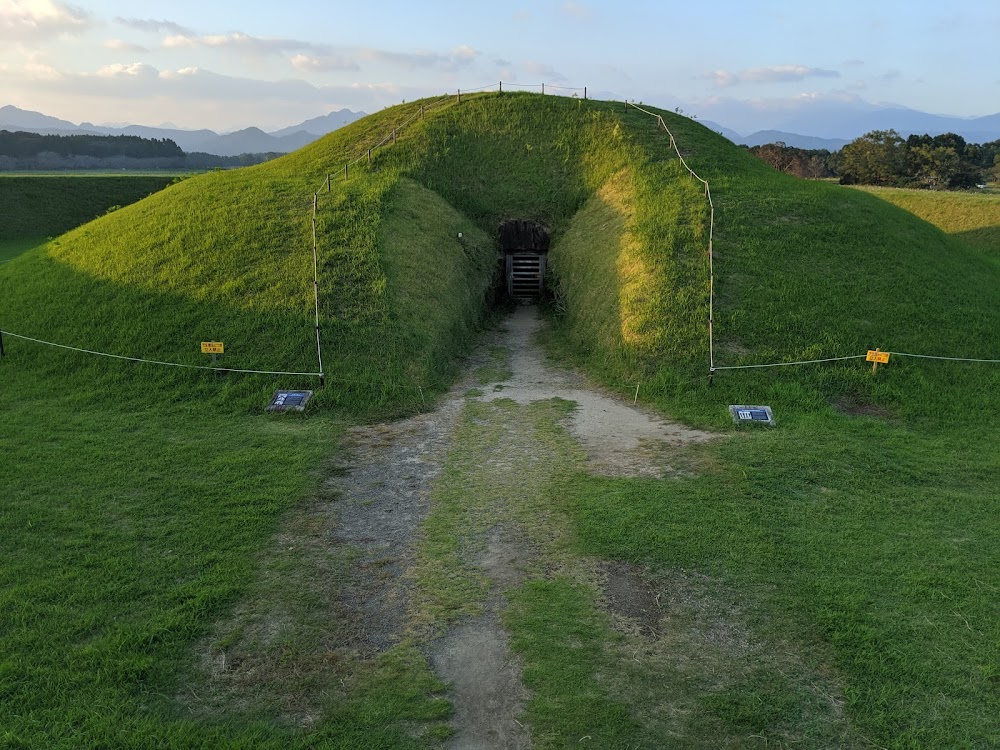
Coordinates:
576 10
22 20
771 74
323 64
120 45
546 72
127 69
458 58
254 46
152 26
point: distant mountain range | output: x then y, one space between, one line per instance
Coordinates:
832 128
246 141
824 126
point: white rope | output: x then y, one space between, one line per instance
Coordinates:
156 361
711 240
950 359
788 364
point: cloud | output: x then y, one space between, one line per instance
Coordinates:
772 74
576 10
253 46
323 64
458 58
523 16
119 45
153 26
23 20
891 75
547 72
126 80
134 70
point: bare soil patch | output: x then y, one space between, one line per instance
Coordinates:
620 439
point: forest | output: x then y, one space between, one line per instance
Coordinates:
884 157
21 151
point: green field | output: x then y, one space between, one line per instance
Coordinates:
971 216
839 572
46 205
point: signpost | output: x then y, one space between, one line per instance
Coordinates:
877 358
214 348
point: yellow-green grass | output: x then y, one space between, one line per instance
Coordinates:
824 523
971 216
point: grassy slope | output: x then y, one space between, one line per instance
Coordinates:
48 205
803 269
166 490
865 536
973 217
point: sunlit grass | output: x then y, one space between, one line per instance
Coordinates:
973 217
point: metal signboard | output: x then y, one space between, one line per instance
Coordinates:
289 401
213 347
744 414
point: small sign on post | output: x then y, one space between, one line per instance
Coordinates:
877 358
214 348
744 414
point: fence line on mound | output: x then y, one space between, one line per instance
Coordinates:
150 361
711 233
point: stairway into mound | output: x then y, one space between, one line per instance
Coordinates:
525 247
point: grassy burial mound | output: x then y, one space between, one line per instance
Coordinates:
804 270
158 493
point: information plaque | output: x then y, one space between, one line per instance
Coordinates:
289 401
743 414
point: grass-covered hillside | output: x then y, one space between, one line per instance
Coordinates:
804 270
856 541
42 205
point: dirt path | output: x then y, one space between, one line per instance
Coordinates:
388 495
620 439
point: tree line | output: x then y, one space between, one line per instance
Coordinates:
883 157
33 151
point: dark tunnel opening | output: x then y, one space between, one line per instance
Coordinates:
525 247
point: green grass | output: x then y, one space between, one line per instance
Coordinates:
971 216
141 502
37 205
10 249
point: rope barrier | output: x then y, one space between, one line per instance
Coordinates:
711 238
155 361
951 359
789 364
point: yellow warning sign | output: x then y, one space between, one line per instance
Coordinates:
874 355
213 347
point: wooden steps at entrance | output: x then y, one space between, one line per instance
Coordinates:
525 275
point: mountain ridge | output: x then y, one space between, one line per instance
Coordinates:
246 140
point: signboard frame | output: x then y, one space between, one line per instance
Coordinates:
752 414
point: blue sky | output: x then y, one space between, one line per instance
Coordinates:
746 65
